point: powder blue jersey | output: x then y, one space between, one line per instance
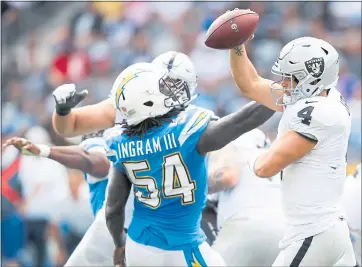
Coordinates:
97 186
170 180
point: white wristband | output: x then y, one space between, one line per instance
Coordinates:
44 150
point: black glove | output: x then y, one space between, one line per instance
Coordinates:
66 97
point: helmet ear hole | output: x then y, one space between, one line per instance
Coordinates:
148 103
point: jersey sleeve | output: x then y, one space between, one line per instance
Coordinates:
93 144
312 120
196 122
112 140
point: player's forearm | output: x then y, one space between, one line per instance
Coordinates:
64 125
221 132
118 192
80 121
263 166
242 70
288 148
222 179
85 120
75 157
115 225
223 168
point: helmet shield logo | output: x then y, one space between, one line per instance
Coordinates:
315 66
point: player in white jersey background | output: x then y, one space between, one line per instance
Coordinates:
249 217
352 208
310 149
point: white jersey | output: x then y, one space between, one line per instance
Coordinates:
252 197
312 186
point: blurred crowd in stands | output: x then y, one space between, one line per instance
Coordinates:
46 44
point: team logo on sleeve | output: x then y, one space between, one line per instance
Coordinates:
198 120
315 66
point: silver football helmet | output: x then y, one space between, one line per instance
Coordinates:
181 70
310 63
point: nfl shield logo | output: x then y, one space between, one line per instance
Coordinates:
315 66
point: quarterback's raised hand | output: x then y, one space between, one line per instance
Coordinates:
66 97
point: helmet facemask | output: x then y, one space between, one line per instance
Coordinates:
181 70
297 89
176 90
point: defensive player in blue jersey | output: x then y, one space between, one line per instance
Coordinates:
162 150
96 246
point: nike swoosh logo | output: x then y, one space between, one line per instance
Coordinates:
309 102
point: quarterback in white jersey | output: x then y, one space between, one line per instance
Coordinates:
310 148
249 218
352 208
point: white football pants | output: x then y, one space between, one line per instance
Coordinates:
96 247
356 236
142 255
250 241
330 248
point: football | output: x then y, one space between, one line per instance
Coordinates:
231 29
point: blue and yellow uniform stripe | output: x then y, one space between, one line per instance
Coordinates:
198 120
194 258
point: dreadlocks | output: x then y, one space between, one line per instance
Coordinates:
141 128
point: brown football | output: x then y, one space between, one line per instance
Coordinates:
231 29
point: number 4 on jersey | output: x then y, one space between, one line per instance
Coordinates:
305 114
176 181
